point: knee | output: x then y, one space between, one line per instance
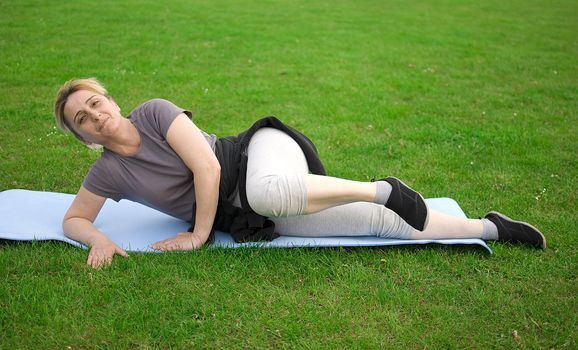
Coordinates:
277 195
387 224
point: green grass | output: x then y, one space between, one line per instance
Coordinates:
473 100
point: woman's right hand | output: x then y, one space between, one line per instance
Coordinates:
101 253
78 225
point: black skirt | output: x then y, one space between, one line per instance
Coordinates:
243 223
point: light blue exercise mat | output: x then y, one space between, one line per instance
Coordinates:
32 215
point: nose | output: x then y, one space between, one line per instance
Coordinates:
95 116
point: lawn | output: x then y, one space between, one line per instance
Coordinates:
474 100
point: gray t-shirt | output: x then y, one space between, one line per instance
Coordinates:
155 176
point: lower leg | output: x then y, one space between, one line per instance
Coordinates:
353 219
325 192
443 226
494 226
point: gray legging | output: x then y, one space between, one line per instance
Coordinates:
276 189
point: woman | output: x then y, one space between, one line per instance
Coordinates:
268 181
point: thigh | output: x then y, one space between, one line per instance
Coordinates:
273 152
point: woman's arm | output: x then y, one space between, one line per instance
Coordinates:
78 225
189 143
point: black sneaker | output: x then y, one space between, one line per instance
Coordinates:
407 203
516 231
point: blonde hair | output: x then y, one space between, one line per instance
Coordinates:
70 87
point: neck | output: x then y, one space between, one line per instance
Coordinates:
126 141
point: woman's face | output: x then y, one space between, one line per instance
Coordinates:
94 117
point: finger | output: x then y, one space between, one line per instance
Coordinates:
157 246
102 260
172 246
178 245
105 257
171 242
92 258
94 262
98 261
89 260
121 252
107 261
164 241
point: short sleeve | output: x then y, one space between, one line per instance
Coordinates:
163 113
100 181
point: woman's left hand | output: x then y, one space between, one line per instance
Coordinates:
182 241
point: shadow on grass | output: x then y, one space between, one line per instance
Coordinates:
22 243
454 249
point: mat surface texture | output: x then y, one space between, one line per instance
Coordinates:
35 215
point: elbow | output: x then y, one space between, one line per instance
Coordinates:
68 217
65 225
69 222
209 172
206 173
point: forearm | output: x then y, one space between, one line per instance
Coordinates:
83 231
207 198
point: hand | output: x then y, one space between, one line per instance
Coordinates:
101 253
182 241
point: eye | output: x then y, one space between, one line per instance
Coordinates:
95 103
82 118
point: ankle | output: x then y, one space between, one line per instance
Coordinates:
382 192
489 231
